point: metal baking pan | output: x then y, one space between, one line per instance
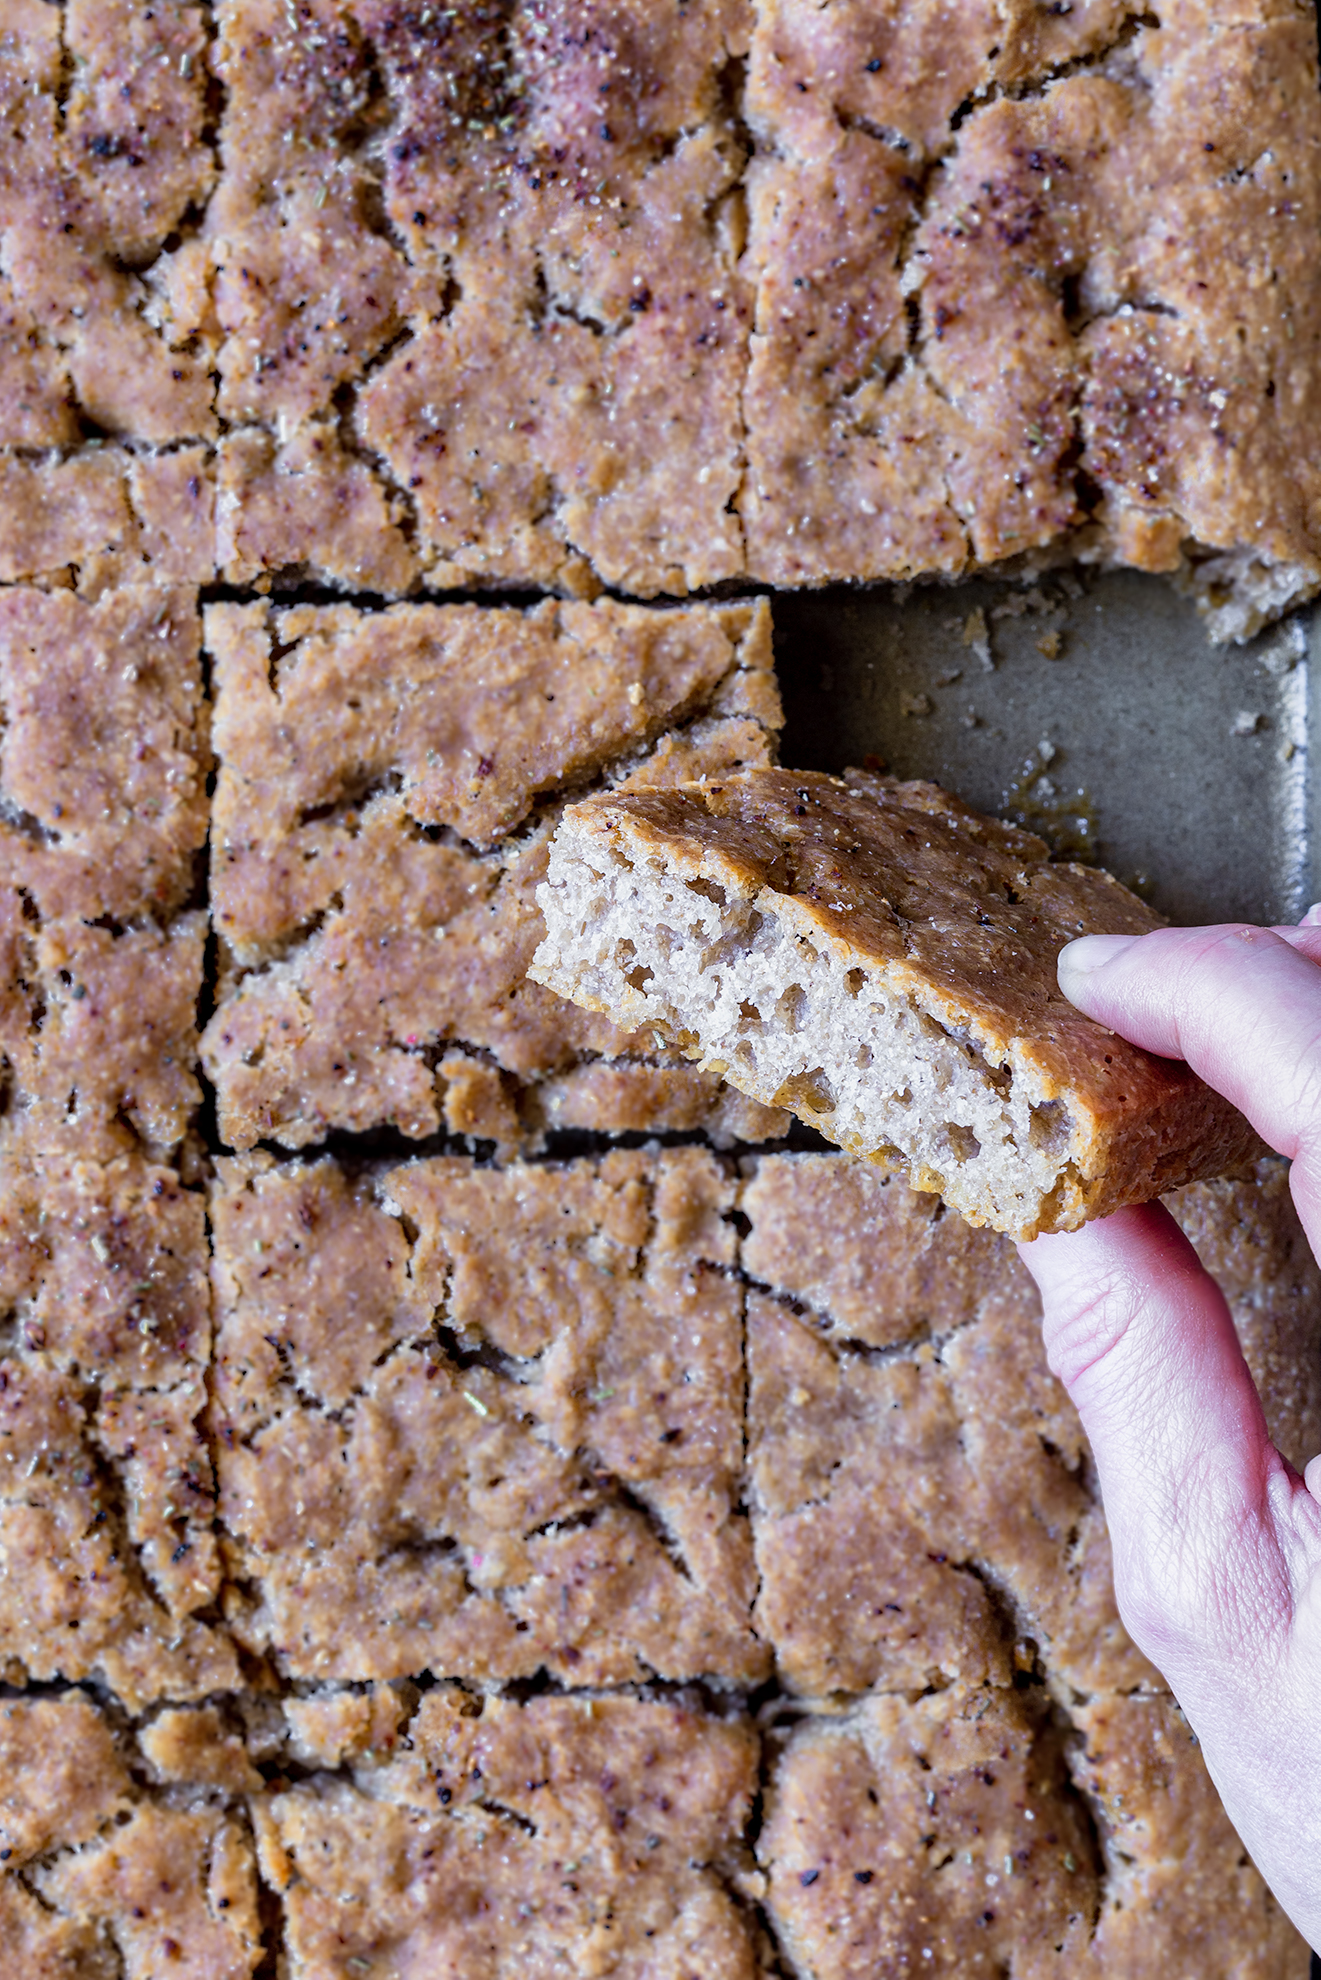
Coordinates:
1090 706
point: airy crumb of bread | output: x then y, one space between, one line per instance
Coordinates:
1239 592
881 960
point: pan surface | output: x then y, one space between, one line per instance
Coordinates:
1089 706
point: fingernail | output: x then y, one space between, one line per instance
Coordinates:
1312 919
1090 953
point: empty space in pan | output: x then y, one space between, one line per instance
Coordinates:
1090 707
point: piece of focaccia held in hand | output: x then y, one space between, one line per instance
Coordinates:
881 959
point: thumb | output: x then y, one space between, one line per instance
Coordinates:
1142 1339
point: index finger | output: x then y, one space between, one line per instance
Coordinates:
1241 1005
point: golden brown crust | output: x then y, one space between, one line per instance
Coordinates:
498 295
555 1491
63 1775
946 1836
492 261
308 509
954 318
960 914
877 1262
910 1457
106 1500
909 879
90 1860
96 180
939 1836
626 1096
103 765
103 755
191 1746
1123 1806
99 1029
104 517
1012 1496
1181 1887
361 773
514 1839
334 1727
306 293
859 1491
477 711
899 1502
538 272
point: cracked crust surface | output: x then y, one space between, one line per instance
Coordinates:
514 229
107 1500
111 1560
897 1381
98 1028
991 259
508 1407
915 1472
1164 1829
511 1839
948 1835
860 1495
103 813
105 517
499 255
578 295
881 958
496 1397
933 1836
103 107
307 509
385 796
102 753
100 1878
524 1452
900 1829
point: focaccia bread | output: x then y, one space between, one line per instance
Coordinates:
434 1535
571 293
1030 276
386 784
881 959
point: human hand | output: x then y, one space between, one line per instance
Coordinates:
1217 1540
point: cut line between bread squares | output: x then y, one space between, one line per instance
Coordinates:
881 959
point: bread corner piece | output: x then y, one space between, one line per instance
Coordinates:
881 959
